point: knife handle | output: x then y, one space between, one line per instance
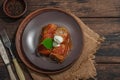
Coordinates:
12 76
18 69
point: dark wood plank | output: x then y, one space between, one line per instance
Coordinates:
103 26
107 59
105 72
1 60
5 76
3 72
108 71
109 28
81 8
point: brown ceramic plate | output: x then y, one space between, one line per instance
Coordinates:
28 34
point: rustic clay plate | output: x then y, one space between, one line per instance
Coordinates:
28 34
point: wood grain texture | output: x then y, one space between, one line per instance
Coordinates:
109 28
105 72
3 72
108 71
107 59
81 8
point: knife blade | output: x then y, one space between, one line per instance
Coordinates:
6 61
3 53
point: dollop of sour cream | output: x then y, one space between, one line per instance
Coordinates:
57 41
55 44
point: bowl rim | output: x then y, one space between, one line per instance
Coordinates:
17 16
19 35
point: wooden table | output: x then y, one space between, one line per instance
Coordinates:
103 16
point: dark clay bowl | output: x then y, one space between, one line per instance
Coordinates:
14 8
27 39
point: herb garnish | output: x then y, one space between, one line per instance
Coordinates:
48 43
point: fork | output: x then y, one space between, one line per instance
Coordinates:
7 44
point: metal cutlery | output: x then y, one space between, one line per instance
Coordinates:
6 61
7 43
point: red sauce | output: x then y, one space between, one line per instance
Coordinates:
58 53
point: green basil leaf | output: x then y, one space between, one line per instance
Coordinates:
48 43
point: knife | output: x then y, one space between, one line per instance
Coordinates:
6 61
7 44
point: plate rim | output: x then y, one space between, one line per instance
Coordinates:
20 29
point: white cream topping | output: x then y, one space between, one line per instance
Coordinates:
58 39
55 44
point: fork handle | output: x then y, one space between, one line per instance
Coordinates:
18 69
12 76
